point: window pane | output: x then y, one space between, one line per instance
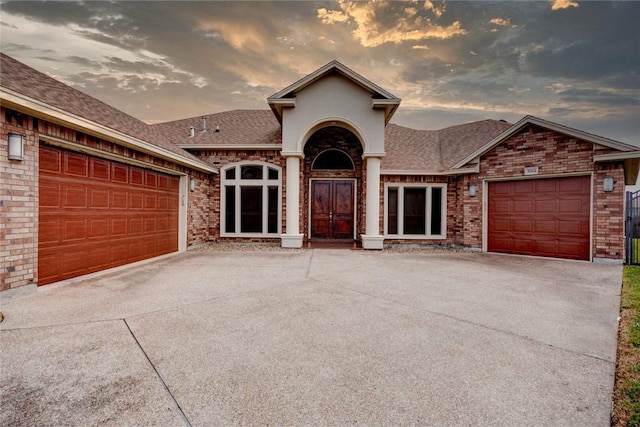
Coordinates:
436 210
272 221
251 209
333 160
414 210
392 211
251 172
230 210
273 173
231 173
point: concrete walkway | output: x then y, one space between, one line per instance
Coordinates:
316 337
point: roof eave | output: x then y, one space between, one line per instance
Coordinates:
13 99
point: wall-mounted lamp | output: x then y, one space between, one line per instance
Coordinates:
607 183
192 184
473 190
16 146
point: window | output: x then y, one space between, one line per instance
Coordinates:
332 159
415 211
250 200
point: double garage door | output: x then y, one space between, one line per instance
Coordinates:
543 217
96 214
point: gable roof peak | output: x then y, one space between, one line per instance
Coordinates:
286 97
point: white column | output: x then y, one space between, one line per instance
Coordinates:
292 237
372 239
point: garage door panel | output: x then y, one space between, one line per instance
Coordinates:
542 226
522 225
119 173
49 231
502 225
99 198
136 176
559 221
49 195
118 200
75 229
99 169
49 160
76 164
74 197
136 201
544 186
520 245
524 206
544 205
98 228
92 217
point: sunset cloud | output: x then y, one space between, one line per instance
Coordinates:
563 4
372 30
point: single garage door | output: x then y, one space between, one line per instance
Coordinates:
96 214
544 217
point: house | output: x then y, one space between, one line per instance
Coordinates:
86 187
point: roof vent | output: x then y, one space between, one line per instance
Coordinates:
217 128
192 131
204 124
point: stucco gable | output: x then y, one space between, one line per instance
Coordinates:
380 98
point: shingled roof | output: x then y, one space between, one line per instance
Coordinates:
236 127
28 82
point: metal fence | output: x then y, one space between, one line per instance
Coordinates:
632 229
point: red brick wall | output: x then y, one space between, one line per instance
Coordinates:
18 204
19 193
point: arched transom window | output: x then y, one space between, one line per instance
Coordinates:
333 159
250 200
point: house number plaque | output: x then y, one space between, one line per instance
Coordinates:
531 170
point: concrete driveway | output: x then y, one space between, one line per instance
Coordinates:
316 337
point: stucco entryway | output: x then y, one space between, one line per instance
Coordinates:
323 337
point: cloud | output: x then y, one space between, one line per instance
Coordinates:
379 23
563 4
438 11
501 22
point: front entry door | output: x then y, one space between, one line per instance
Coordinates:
332 213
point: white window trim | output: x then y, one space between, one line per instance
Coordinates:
237 182
401 186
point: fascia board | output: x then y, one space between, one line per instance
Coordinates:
230 146
617 156
449 172
61 116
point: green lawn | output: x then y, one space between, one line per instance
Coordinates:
627 389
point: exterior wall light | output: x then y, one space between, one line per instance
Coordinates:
192 184
16 146
607 184
473 190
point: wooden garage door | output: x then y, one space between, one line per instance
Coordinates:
96 214
543 217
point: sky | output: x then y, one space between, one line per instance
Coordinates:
573 62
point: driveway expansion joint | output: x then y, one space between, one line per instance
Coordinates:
183 416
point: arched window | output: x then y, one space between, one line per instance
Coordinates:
333 159
250 200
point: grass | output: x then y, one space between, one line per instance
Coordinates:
626 396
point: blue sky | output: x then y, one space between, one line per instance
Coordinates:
569 61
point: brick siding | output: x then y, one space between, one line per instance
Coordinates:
19 193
